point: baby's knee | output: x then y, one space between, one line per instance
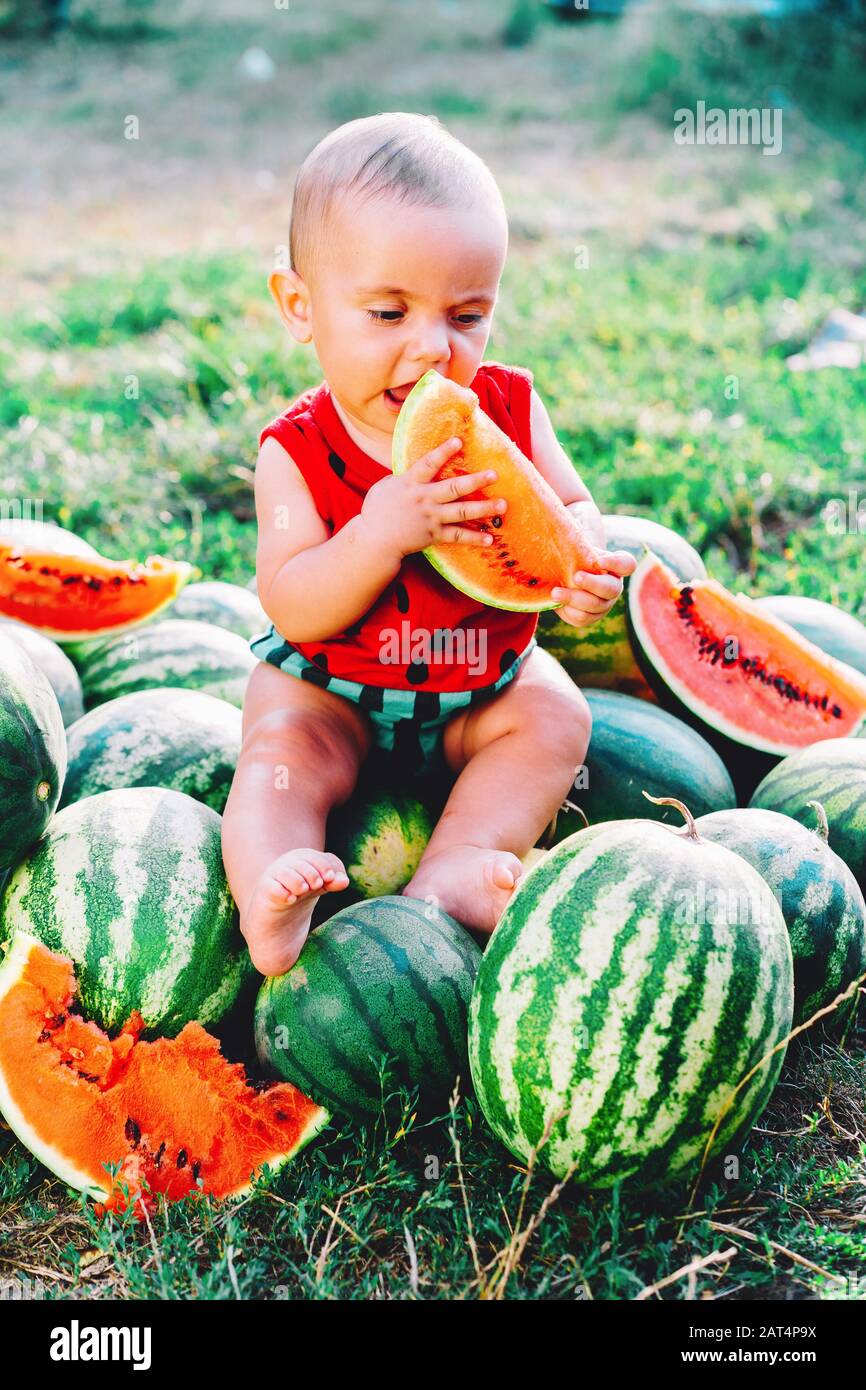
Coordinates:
304 740
560 720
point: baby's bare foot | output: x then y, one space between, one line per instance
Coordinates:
469 882
278 914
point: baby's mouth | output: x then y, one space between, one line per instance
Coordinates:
397 394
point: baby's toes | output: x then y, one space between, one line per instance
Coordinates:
293 882
308 870
505 870
330 868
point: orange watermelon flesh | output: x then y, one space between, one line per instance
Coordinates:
71 598
537 547
745 673
171 1116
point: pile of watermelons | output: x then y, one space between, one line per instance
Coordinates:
631 1013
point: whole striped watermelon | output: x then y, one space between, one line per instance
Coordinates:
130 885
832 771
830 628
226 605
602 655
820 900
176 652
385 983
635 978
32 752
635 746
380 837
181 739
53 663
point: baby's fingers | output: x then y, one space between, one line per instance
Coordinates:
617 562
603 586
577 617
451 513
447 489
462 535
578 601
424 469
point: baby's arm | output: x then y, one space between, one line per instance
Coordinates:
313 585
593 595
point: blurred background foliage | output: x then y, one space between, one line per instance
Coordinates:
654 289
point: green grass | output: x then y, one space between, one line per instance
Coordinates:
393 1210
132 391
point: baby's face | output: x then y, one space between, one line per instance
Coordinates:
403 289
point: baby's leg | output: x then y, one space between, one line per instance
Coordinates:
301 750
518 753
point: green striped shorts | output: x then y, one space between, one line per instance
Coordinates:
406 723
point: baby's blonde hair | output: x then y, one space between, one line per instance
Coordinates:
410 157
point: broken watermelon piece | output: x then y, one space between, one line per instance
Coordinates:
536 545
169 1117
727 664
75 597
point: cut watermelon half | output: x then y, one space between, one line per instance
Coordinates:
537 545
734 668
125 1120
73 597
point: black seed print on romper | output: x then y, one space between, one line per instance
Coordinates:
507 659
337 464
417 673
426 706
402 597
321 660
353 630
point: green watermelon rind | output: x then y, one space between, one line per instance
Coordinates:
603 1007
820 898
53 662
130 885
34 751
388 979
832 771
637 746
185 740
225 605
173 652
395 829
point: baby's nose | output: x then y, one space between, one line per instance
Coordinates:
430 344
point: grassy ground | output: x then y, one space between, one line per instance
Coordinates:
139 358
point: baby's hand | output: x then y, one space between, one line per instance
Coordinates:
594 594
412 511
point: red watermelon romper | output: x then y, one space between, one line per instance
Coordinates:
424 649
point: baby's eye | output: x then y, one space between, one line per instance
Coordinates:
469 320
385 315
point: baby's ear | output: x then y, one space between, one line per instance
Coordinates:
292 299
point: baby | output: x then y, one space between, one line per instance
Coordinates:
398 240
